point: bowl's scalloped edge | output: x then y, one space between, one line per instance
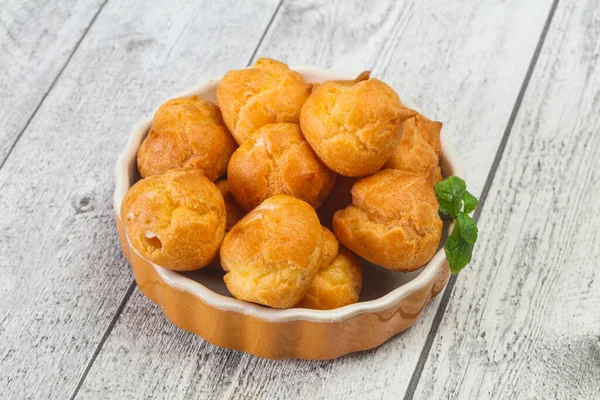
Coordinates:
305 339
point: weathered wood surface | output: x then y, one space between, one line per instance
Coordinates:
62 272
464 64
36 40
525 321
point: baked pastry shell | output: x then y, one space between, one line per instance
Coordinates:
199 302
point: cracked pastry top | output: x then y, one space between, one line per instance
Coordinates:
393 220
353 127
266 93
277 160
419 149
273 254
337 283
186 132
175 220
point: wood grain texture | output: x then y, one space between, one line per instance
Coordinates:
464 64
63 275
524 322
36 40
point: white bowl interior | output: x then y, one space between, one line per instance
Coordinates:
381 286
377 281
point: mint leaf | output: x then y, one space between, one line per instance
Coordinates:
468 229
470 201
456 202
449 193
459 245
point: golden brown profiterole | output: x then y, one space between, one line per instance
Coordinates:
353 129
266 93
430 130
414 152
234 211
393 220
186 132
175 220
273 254
277 160
337 284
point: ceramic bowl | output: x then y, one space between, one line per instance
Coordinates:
199 302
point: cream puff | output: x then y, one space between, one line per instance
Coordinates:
337 284
266 93
186 132
354 129
277 160
430 130
393 220
414 152
273 254
175 220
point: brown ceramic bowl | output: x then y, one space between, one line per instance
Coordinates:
199 302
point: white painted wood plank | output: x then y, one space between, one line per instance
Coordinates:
63 275
524 323
36 40
464 64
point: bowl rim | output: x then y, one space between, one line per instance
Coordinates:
123 181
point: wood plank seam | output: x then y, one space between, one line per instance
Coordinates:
414 381
260 41
36 109
109 329
132 285
327 35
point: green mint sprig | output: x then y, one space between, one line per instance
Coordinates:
457 203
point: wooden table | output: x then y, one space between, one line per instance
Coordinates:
516 83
